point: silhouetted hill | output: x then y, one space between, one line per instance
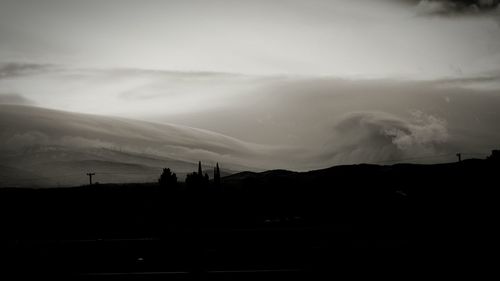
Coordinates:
397 175
241 177
339 219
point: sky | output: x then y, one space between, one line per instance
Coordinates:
362 38
350 81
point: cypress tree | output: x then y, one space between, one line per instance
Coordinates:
217 174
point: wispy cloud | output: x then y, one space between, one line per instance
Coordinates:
15 69
457 7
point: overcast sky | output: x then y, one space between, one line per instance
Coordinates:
362 38
270 72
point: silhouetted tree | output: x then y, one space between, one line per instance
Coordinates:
167 178
197 179
174 179
192 179
217 175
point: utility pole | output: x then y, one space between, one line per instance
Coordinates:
459 155
90 177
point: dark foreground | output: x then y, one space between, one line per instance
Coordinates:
369 221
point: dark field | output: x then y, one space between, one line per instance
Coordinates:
357 221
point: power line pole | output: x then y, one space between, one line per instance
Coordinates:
90 177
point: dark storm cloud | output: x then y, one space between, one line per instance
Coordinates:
456 7
25 127
11 98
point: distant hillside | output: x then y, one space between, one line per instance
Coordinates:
400 179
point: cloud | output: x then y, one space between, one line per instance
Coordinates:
278 111
23 140
453 7
15 99
33 127
425 131
379 136
12 69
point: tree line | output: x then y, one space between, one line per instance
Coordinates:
194 179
